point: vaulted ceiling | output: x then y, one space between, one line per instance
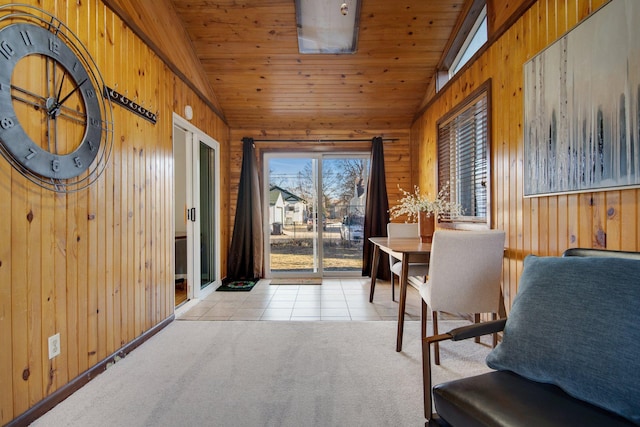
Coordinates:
249 51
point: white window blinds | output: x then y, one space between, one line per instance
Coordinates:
463 158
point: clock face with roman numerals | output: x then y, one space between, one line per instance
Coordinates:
53 127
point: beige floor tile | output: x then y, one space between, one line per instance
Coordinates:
281 304
305 311
283 297
337 299
368 317
221 311
308 297
368 311
387 311
308 304
332 297
228 304
214 317
333 303
276 314
334 312
247 314
207 303
358 302
287 289
310 289
185 317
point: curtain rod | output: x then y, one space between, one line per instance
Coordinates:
324 140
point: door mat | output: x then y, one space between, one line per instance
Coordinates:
296 281
237 285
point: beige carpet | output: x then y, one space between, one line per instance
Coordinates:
248 373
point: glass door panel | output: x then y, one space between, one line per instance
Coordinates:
208 272
294 220
344 179
315 218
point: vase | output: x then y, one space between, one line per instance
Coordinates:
427 225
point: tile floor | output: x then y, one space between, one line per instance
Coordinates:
335 299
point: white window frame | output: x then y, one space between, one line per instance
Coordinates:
477 37
472 36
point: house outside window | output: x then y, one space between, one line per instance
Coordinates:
463 157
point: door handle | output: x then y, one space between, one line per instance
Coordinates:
191 214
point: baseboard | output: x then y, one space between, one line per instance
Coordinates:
49 402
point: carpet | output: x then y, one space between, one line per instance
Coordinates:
268 373
237 285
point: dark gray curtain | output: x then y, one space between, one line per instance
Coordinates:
377 213
245 253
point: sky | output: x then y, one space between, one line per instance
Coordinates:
286 168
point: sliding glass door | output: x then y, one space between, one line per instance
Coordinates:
197 201
314 213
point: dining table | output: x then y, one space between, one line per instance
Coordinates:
408 250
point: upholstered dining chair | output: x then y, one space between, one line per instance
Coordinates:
404 230
465 276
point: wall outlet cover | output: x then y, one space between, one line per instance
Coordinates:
54 346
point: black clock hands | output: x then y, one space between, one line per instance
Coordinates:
71 93
53 104
60 88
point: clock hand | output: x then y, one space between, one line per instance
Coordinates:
53 105
60 88
59 103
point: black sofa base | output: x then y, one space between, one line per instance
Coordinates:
504 399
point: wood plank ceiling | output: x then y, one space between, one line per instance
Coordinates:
249 51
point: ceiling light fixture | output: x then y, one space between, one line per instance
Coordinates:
327 26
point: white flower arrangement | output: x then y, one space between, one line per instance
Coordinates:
411 204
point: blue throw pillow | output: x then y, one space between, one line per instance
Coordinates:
575 322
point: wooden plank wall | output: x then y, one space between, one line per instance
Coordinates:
398 162
541 225
95 266
161 30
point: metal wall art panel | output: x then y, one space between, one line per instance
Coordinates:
582 106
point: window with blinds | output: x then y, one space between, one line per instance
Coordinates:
463 156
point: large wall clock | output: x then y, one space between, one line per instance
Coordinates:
55 124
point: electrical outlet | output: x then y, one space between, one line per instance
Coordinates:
54 345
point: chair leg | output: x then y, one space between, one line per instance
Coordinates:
476 318
426 381
393 287
423 320
436 346
494 316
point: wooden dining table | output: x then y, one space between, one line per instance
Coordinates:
409 250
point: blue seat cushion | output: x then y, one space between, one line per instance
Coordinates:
575 323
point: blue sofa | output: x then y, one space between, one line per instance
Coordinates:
570 353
